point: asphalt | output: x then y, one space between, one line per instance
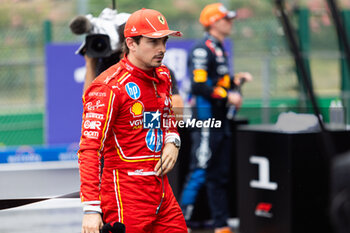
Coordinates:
54 216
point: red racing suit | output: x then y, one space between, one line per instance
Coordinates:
126 120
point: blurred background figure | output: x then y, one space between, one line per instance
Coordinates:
213 88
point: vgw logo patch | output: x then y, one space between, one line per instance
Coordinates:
151 120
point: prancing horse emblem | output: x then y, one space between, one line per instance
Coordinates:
161 19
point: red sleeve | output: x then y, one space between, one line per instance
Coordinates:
98 101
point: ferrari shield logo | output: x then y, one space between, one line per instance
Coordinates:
161 19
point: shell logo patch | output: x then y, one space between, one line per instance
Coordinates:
137 109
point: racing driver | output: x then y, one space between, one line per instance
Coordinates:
123 120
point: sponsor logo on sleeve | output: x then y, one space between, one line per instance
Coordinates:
91 106
91 134
106 81
133 90
93 115
99 94
92 124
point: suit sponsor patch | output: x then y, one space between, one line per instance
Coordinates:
154 140
133 90
137 109
93 115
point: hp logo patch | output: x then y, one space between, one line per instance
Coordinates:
133 90
151 120
154 139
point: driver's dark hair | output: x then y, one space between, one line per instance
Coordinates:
125 47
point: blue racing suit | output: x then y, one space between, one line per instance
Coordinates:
210 152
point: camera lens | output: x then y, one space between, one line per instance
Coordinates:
98 45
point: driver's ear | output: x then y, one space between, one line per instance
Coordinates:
130 43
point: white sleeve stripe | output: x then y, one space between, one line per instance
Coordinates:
91 202
92 208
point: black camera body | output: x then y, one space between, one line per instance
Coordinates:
102 32
98 46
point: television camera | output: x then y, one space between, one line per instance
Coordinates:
102 32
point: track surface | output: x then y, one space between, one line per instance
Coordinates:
54 216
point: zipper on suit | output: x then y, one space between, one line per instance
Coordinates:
155 89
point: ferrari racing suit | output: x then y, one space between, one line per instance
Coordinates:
127 120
